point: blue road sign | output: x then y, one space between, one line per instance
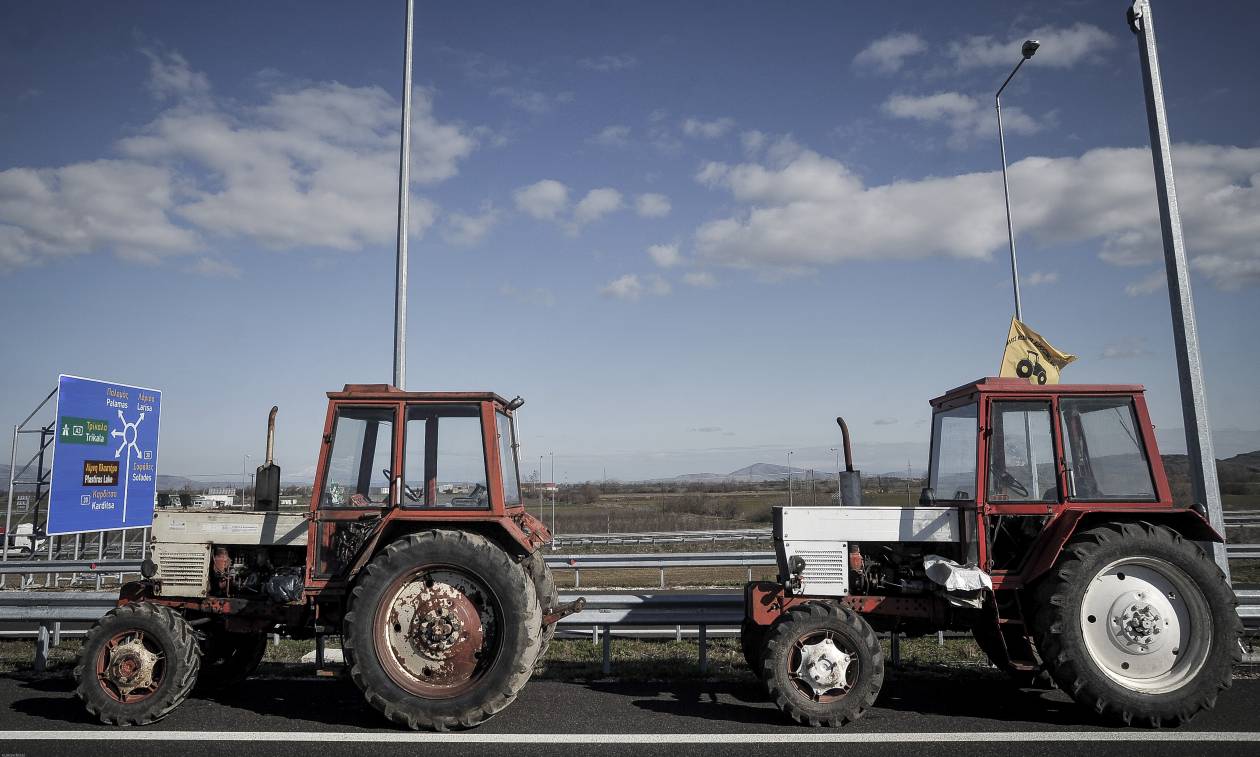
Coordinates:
105 453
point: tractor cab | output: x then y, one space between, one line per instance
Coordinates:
1025 455
389 457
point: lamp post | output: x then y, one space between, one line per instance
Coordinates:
1030 47
244 467
837 451
553 496
789 456
404 184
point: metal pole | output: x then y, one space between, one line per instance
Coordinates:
1006 191
789 478
1199 448
404 184
8 513
243 469
553 493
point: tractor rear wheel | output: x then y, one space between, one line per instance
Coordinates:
548 596
443 630
229 657
137 664
1138 624
822 665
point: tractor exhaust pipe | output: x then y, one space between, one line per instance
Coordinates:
850 481
267 477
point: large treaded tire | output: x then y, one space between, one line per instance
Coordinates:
501 679
1061 638
853 633
174 638
548 596
229 657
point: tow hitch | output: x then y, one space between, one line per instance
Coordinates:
554 614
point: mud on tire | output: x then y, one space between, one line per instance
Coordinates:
821 631
137 664
1097 633
548 596
443 630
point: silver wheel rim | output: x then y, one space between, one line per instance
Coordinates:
1138 621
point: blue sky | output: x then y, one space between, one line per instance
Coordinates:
688 234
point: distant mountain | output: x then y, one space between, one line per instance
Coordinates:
754 472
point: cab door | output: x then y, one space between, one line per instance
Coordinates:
355 484
1021 477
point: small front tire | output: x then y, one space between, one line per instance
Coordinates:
137 664
822 664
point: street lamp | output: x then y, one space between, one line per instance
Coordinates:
837 451
244 467
1029 48
789 478
553 496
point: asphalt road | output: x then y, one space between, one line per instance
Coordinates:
934 715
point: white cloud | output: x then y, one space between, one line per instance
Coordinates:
631 287
1149 284
702 279
537 296
595 205
652 205
805 209
964 115
1061 47
888 54
694 127
467 230
616 135
753 141
215 268
120 206
543 200
607 63
665 255
1038 278
308 166
531 100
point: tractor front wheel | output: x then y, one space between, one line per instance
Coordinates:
1138 624
443 630
822 664
137 664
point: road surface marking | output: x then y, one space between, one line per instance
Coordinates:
803 737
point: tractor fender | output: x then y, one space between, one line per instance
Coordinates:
1188 522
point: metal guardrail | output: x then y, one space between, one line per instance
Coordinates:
664 537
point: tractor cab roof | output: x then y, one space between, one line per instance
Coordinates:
394 394
992 385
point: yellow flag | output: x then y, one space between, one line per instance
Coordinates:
1029 356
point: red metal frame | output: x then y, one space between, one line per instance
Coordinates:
521 531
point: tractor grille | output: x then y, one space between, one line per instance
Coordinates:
182 569
826 571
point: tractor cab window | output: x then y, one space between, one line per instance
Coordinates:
952 470
444 461
1021 454
359 462
507 460
1106 459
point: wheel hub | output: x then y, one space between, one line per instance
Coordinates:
131 667
824 666
1137 620
437 630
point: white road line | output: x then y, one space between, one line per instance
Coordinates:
802 737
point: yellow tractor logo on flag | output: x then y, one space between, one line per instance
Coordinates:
1029 356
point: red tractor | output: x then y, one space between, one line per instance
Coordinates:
1047 530
417 550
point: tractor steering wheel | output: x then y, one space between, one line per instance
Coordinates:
1005 478
412 494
